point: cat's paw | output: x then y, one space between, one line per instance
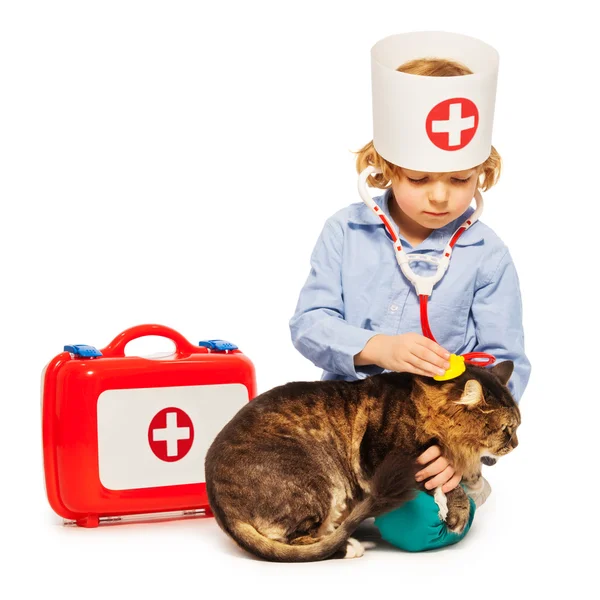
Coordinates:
457 519
442 502
354 549
479 493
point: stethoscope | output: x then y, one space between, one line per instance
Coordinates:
424 284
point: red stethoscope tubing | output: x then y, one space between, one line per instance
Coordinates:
481 359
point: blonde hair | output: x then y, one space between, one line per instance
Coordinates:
368 156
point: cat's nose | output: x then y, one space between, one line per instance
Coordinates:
514 442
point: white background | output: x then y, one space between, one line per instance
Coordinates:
174 162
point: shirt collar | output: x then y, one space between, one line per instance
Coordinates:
361 214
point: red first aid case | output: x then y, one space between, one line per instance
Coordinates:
125 436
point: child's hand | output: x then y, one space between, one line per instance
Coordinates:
408 352
440 470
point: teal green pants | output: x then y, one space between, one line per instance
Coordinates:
416 526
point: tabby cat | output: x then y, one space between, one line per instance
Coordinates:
298 468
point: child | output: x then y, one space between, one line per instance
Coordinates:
357 314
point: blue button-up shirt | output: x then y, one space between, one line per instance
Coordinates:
356 289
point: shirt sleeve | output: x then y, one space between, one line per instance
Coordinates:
319 331
498 315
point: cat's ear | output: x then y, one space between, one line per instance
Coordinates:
503 370
472 394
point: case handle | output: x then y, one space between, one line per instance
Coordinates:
116 349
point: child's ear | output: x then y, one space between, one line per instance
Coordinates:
472 394
503 370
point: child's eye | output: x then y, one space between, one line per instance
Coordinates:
424 179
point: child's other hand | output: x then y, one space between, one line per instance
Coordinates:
411 353
440 470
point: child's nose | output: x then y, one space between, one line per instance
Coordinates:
439 193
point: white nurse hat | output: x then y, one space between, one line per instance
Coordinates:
436 124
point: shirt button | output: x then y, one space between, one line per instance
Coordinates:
393 307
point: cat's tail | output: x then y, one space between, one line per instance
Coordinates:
392 485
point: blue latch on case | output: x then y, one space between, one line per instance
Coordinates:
219 345
83 350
